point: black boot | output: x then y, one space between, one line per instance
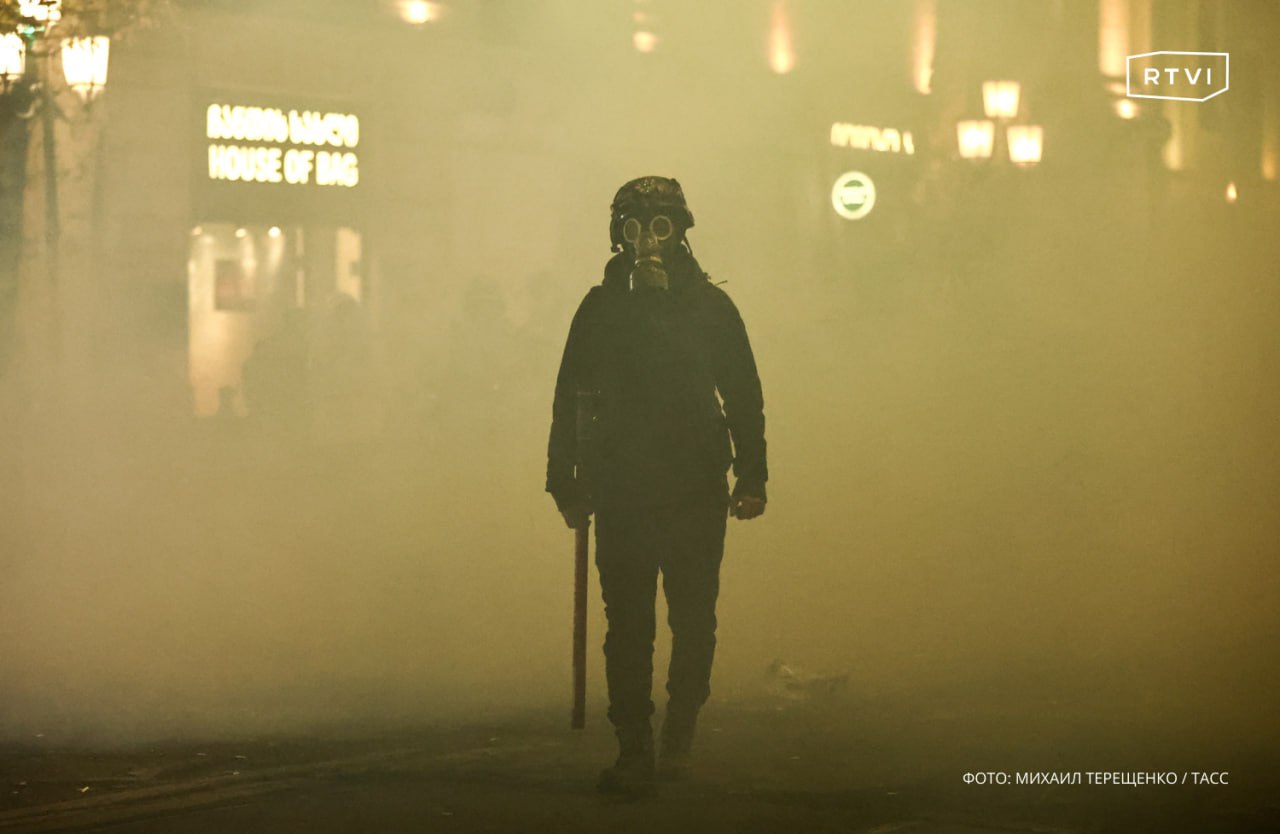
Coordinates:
677 740
632 773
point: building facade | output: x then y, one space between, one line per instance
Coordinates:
354 179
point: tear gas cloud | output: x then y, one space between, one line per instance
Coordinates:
1020 424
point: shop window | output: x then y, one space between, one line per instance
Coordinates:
254 289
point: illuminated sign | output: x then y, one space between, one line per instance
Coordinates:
854 195
868 138
271 145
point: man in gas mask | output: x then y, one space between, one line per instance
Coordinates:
648 351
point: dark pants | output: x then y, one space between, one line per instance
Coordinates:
685 542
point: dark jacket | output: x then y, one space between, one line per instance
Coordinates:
657 360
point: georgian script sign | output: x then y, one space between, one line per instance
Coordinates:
289 147
872 138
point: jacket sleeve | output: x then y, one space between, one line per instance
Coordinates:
739 385
562 447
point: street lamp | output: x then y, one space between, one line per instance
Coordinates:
29 91
44 12
976 138
1000 99
84 57
1026 144
84 64
645 36
13 60
419 12
782 53
1125 108
644 41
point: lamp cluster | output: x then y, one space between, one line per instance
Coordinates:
84 58
976 138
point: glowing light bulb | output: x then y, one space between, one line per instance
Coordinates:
1026 144
13 59
84 63
644 41
45 11
419 12
782 54
1000 99
976 138
924 39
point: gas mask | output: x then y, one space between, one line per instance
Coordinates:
648 221
648 237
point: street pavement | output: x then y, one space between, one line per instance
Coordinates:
789 764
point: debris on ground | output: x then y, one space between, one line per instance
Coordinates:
799 685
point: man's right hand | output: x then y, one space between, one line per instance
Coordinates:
577 515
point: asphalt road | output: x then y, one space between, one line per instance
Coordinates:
812 765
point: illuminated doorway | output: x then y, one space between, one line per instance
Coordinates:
252 288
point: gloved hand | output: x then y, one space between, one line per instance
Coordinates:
748 499
577 514
574 504
745 507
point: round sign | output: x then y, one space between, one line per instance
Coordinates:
853 195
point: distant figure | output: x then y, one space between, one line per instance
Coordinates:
485 354
548 312
275 379
651 346
345 380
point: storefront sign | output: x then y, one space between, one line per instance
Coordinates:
273 145
869 138
854 195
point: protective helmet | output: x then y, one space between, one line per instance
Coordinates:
647 193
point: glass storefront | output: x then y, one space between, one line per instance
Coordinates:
261 302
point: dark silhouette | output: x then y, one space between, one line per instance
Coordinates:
344 375
276 379
652 345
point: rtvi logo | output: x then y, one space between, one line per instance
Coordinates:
1180 76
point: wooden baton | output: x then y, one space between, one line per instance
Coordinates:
580 539
585 433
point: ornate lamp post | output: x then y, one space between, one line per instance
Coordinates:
977 139
990 149
40 35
